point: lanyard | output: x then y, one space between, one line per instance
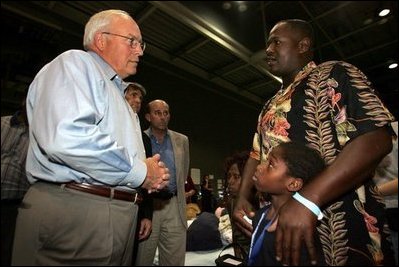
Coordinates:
256 245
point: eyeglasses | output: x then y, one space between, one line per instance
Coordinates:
133 41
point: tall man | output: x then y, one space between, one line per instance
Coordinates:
333 108
86 154
169 223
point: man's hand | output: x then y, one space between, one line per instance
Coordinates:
145 228
157 174
243 208
296 224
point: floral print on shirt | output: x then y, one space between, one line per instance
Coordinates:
325 107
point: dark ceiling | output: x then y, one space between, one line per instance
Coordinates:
221 48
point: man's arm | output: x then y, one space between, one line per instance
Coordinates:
349 170
389 188
243 206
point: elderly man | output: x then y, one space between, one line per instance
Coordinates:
83 166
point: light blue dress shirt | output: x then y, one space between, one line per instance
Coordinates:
81 127
165 149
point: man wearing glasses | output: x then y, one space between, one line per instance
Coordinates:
86 155
134 43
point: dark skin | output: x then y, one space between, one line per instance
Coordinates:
288 51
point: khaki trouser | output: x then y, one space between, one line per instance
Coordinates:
168 235
61 226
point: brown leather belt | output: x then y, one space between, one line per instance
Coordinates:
105 191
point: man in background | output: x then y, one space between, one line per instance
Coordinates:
386 178
169 223
14 184
134 94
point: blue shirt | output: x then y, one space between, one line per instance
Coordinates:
81 127
165 149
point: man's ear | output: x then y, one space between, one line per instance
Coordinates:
304 45
99 41
147 117
295 184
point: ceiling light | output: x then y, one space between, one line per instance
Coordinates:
242 7
226 5
393 65
384 12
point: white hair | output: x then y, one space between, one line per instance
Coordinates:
99 22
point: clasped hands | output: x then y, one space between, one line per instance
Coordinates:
157 174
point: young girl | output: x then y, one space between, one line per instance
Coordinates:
288 167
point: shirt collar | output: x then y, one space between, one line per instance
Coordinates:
152 135
109 71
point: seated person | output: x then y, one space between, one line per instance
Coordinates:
192 211
203 233
233 168
225 229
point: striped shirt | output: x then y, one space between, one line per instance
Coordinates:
14 146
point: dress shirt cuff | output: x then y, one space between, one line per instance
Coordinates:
137 174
